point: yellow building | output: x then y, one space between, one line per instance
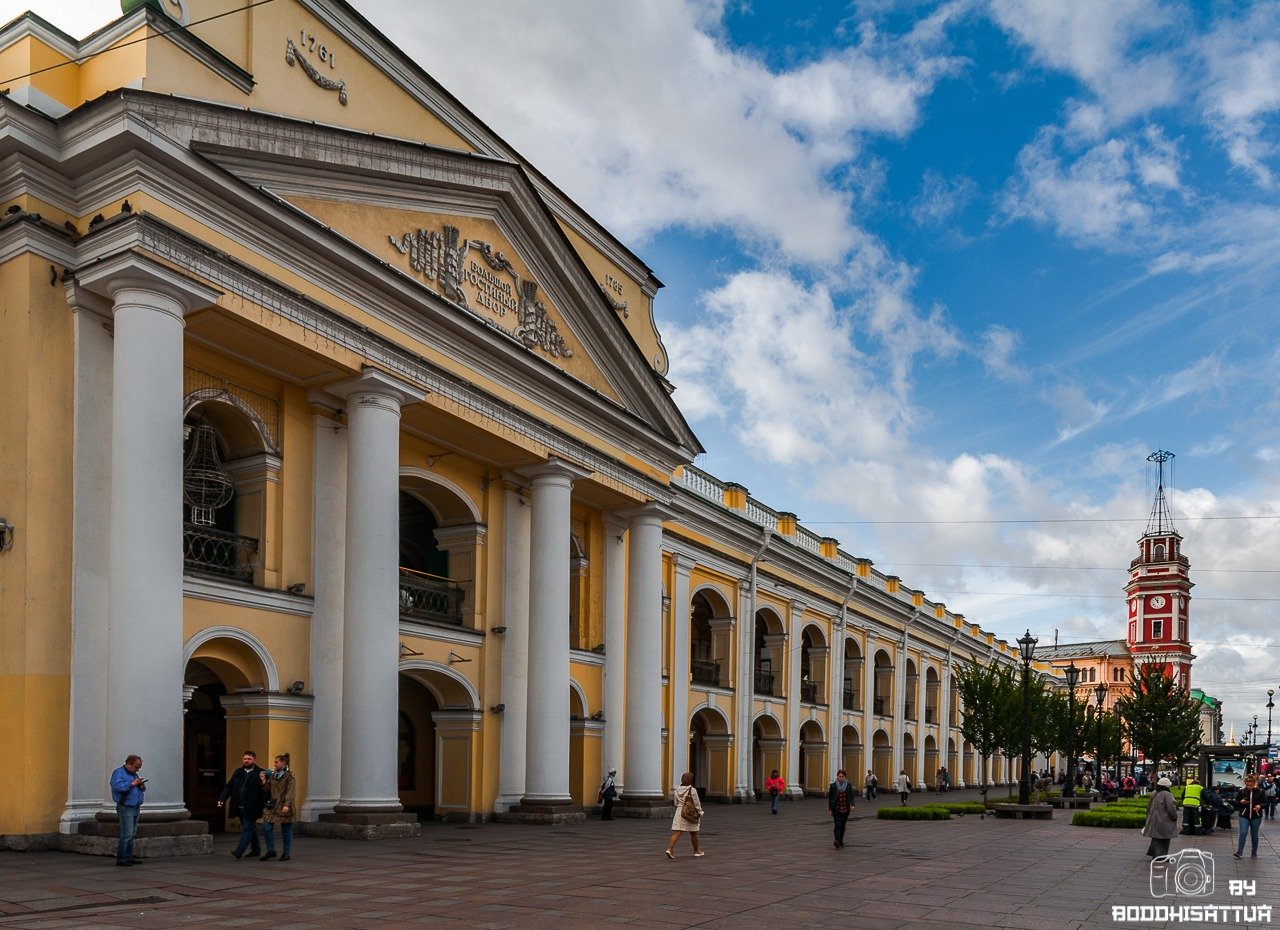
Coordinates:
333 427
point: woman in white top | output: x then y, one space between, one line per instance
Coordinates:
681 824
904 785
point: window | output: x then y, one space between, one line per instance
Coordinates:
1157 629
1159 552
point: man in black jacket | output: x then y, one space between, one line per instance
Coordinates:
248 796
840 795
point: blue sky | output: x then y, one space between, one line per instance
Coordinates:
967 260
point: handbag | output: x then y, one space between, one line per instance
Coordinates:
270 805
689 810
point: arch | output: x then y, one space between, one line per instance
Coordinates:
932 762
767 746
882 758
813 664
813 758
953 762
814 634
851 750
909 757
578 701
882 682
768 724
708 637
909 709
237 424
769 656
716 599
451 505
709 752
714 715
451 690
266 665
851 692
932 694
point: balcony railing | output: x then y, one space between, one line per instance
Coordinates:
930 715
705 672
852 699
909 710
206 551
764 682
809 692
879 705
430 597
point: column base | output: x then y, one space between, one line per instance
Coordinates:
643 808
350 825
156 839
544 812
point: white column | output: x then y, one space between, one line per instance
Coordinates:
644 658
371 598
90 559
547 735
744 690
680 669
328 569
144 656
515 646
615 646
792 689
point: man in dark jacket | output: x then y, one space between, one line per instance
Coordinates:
247 795
840 795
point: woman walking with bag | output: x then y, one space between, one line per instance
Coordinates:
688 816
1162 819
281 789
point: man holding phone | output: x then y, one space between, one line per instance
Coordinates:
127 788
247 793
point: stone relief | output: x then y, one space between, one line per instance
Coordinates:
441 257
292 56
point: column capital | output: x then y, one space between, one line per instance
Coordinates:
682 564
554 467
125 271
650 512
373 383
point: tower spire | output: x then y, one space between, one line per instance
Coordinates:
1160 522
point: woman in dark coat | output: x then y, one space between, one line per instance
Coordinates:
1162 819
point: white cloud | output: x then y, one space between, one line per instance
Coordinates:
941 198
998 346
1242 58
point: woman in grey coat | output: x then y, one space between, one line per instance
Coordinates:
1162 819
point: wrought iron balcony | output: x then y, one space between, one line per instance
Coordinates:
430 597
206 551
705 672
852 699
809 692
764 682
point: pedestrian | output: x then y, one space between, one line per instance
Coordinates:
775 785
127 789
280 807
1270 790
840 795
1192 792
1249 802
940 780
1143 783
1210 801
608 791
247 794
869 785
688 817
903 784
1162 819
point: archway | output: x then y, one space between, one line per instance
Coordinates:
931 760
882 759
219 724
852 692
909 758
770 652
953 762
851 747
709 753
813 665
438 724
909 708
813 759
932 694
440 531
767 747
882 681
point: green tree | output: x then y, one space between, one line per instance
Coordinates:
1161 718
983 691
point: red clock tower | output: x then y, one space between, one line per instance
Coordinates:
1159 591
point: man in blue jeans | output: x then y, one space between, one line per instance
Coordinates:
127 788
247 794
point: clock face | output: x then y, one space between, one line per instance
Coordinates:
1158 601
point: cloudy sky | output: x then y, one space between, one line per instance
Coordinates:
939 274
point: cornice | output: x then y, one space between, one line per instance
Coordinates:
225 592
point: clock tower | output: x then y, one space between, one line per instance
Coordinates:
1159 591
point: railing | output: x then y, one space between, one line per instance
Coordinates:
430 597
705 672
930 715
909 710
206 551
764 682
852 699
879 705
703 484
809 692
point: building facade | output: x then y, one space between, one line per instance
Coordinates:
333 427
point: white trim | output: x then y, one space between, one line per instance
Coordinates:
586 657
460 636
240 636
433 478
426 665
582 696
226 592
728 724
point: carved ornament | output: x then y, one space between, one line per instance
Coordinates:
293 56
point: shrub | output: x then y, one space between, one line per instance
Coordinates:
1118 819
914 813
958 807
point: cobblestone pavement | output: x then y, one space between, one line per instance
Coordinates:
760 871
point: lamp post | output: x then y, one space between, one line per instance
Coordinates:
1073 678
1101 692
1270 704
1027 645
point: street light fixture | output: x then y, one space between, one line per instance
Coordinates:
1027 645
1073 678
1270 704
1101 692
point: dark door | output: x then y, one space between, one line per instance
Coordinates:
205 750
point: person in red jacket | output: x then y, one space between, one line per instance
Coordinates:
775 786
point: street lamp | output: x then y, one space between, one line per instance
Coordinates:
1073 678
1101 692
1270 704
1027 645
